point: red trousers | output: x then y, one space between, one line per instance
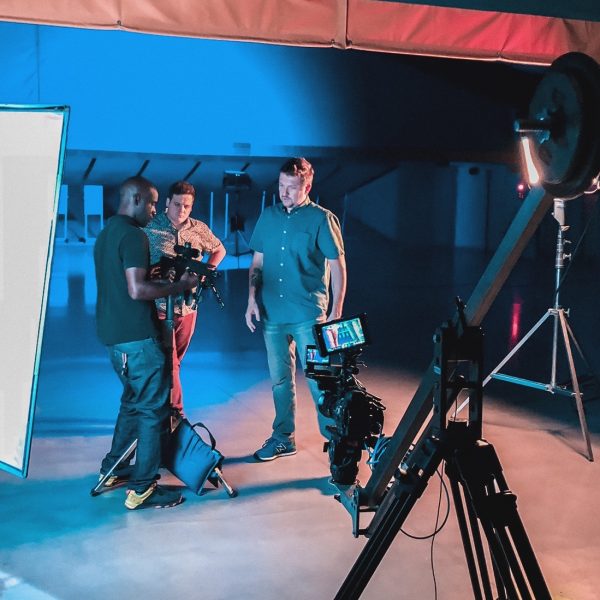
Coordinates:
182 335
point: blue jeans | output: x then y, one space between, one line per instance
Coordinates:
282 342
142 369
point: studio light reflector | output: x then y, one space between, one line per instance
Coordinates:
32 143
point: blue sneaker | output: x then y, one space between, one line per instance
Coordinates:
273 449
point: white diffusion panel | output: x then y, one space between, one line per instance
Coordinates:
31 152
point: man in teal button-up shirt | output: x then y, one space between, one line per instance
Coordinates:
298 253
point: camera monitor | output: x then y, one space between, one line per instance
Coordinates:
342 334
313 356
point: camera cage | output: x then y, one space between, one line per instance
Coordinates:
188 258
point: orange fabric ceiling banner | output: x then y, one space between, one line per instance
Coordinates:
93 14
293 22
386 26
377 25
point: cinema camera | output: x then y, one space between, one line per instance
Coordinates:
185 259
358 415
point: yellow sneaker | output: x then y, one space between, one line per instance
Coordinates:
154 497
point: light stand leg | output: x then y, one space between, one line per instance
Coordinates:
492 375
130 450
575 384
577 346
218 475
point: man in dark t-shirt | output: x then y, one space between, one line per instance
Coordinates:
127 325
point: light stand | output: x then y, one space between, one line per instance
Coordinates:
560 327
235 242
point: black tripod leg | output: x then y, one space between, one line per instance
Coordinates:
514 526
502 593
375 549
391 514
98 487
500 551
483 580
496 508
515 567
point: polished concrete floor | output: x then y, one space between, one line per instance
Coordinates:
285 536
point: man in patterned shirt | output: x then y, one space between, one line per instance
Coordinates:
168 229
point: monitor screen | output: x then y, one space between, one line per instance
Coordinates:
342 334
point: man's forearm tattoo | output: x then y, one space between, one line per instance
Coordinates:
256 278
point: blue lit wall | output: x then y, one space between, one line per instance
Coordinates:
137 92
156 94
173 95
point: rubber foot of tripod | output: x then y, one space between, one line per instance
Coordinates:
231 492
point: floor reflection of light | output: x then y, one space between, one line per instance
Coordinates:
14 587
59 291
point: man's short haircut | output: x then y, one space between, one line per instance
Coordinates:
180 188
298 166
136 185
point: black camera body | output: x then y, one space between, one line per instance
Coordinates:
357 415
187 259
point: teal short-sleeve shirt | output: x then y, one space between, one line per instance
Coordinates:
295 248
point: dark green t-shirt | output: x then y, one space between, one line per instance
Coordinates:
122 244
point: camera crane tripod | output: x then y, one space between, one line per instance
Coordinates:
482 499
559 316
216 477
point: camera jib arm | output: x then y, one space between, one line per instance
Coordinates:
481 496
564 110
392 498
